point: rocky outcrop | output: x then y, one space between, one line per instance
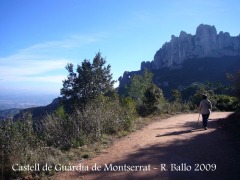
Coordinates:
205 43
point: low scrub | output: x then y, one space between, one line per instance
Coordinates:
20 146
101 116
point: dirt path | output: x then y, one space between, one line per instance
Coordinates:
169 148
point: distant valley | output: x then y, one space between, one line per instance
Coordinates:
11 104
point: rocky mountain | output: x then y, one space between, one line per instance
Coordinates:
205 43
205 56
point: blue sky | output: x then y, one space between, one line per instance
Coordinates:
39 37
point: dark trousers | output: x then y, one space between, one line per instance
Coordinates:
205 119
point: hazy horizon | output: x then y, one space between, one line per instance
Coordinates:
23 101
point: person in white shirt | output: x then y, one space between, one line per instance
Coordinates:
205 108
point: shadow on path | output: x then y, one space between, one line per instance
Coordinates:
208 148
191 127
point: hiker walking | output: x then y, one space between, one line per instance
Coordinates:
205 108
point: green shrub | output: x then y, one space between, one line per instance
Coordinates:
60 112
57 132
19 145
226 103
128 112
153 96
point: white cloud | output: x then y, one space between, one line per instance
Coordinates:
40 61
19 68
73 41
30 67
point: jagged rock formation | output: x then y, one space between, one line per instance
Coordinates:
206 43
205 56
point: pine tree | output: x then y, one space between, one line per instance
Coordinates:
87 83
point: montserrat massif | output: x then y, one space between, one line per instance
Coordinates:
205 43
